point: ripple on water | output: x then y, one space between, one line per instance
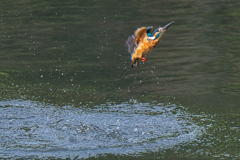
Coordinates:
30 128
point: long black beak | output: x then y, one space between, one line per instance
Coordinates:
168 25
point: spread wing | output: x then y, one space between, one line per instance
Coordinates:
140 34
130 43
134 39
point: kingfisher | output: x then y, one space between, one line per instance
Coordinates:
142 42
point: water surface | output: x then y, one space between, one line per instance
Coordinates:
67 90
67 132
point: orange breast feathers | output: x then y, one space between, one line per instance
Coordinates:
144 43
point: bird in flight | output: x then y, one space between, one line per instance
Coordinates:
142 42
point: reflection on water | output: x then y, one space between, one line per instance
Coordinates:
31 129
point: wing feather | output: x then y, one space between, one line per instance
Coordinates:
130 43
140 34
134 39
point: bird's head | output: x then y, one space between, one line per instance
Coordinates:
160 31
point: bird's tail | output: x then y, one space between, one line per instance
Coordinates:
134 63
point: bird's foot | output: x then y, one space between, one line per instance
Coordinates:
143 59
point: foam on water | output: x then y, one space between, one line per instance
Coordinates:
32 129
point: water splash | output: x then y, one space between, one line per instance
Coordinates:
32 129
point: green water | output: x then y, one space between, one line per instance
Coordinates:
72 53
